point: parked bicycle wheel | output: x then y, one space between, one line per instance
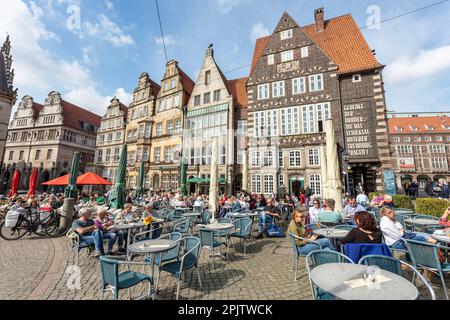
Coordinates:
57 226
18 231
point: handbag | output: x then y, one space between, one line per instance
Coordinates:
274 231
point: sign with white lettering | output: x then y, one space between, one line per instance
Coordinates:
360 134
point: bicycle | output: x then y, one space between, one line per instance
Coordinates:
54 225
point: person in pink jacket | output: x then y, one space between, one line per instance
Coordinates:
444 221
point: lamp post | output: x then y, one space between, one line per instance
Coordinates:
345 159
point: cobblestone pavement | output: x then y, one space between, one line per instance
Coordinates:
34 269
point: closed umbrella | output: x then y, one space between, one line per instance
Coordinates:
140 186
324 173
183 177
214 185
71 190
245 172
118 196
15 181
33 182
334 177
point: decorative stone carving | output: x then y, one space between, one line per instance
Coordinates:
288 66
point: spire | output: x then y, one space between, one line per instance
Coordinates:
210 51
6 48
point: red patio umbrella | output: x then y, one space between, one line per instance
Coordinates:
88 179
91 179
33 182
61 181
15 183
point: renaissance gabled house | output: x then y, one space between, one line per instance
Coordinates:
210 113
300 77
110 140
47 136
176 89
139 127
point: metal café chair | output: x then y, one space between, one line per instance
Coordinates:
293 238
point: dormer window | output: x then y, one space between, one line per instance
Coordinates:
413 128
356 78
286 34
399 129
430 128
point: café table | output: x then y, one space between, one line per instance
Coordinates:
244 214
442 236
220 227
331 277
149 248
128 227
334 234
421 222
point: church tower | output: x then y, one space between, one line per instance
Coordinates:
8 94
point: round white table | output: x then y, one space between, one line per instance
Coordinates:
422 221
331 233
191 214
128 227
331 277
442 237
242 214
219 226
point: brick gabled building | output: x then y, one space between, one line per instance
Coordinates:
300 76
420 147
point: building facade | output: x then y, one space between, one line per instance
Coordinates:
8 94
176 89
300 77
110 140
420 147
210 114
47 136
139 128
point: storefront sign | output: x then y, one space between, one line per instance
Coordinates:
406 163
360 134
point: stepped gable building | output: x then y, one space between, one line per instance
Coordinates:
110 140
47 136
8 94
300 76
210 113
176 89
140 123
420 146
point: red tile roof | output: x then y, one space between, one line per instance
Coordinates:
423 125
74 115
238 89
341 41
124 108
188 85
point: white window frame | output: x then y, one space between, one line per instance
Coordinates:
315 184
278 89
314 157
316 83
263 91
268 183
295 159
304 52
356 78
286 34
287 56
299 85
270 59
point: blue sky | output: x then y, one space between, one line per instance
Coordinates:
116 40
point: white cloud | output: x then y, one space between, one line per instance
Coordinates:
109 31
169 40
426 64
259 31
225 6
38 71
124 97
109 5
89 56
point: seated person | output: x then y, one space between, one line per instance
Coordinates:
100 200
327 215
296 227
313 214
394 232
105 225
88 232
387 201
444 221
125 214
270 212
362 199
235 205
376 202
199 203
366 232
91 203
351 209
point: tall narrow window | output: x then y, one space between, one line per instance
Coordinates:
270 59
278 89
304 52
298 85
208 77
263 91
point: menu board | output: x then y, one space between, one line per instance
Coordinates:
360 134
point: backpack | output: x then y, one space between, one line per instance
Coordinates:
274 231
